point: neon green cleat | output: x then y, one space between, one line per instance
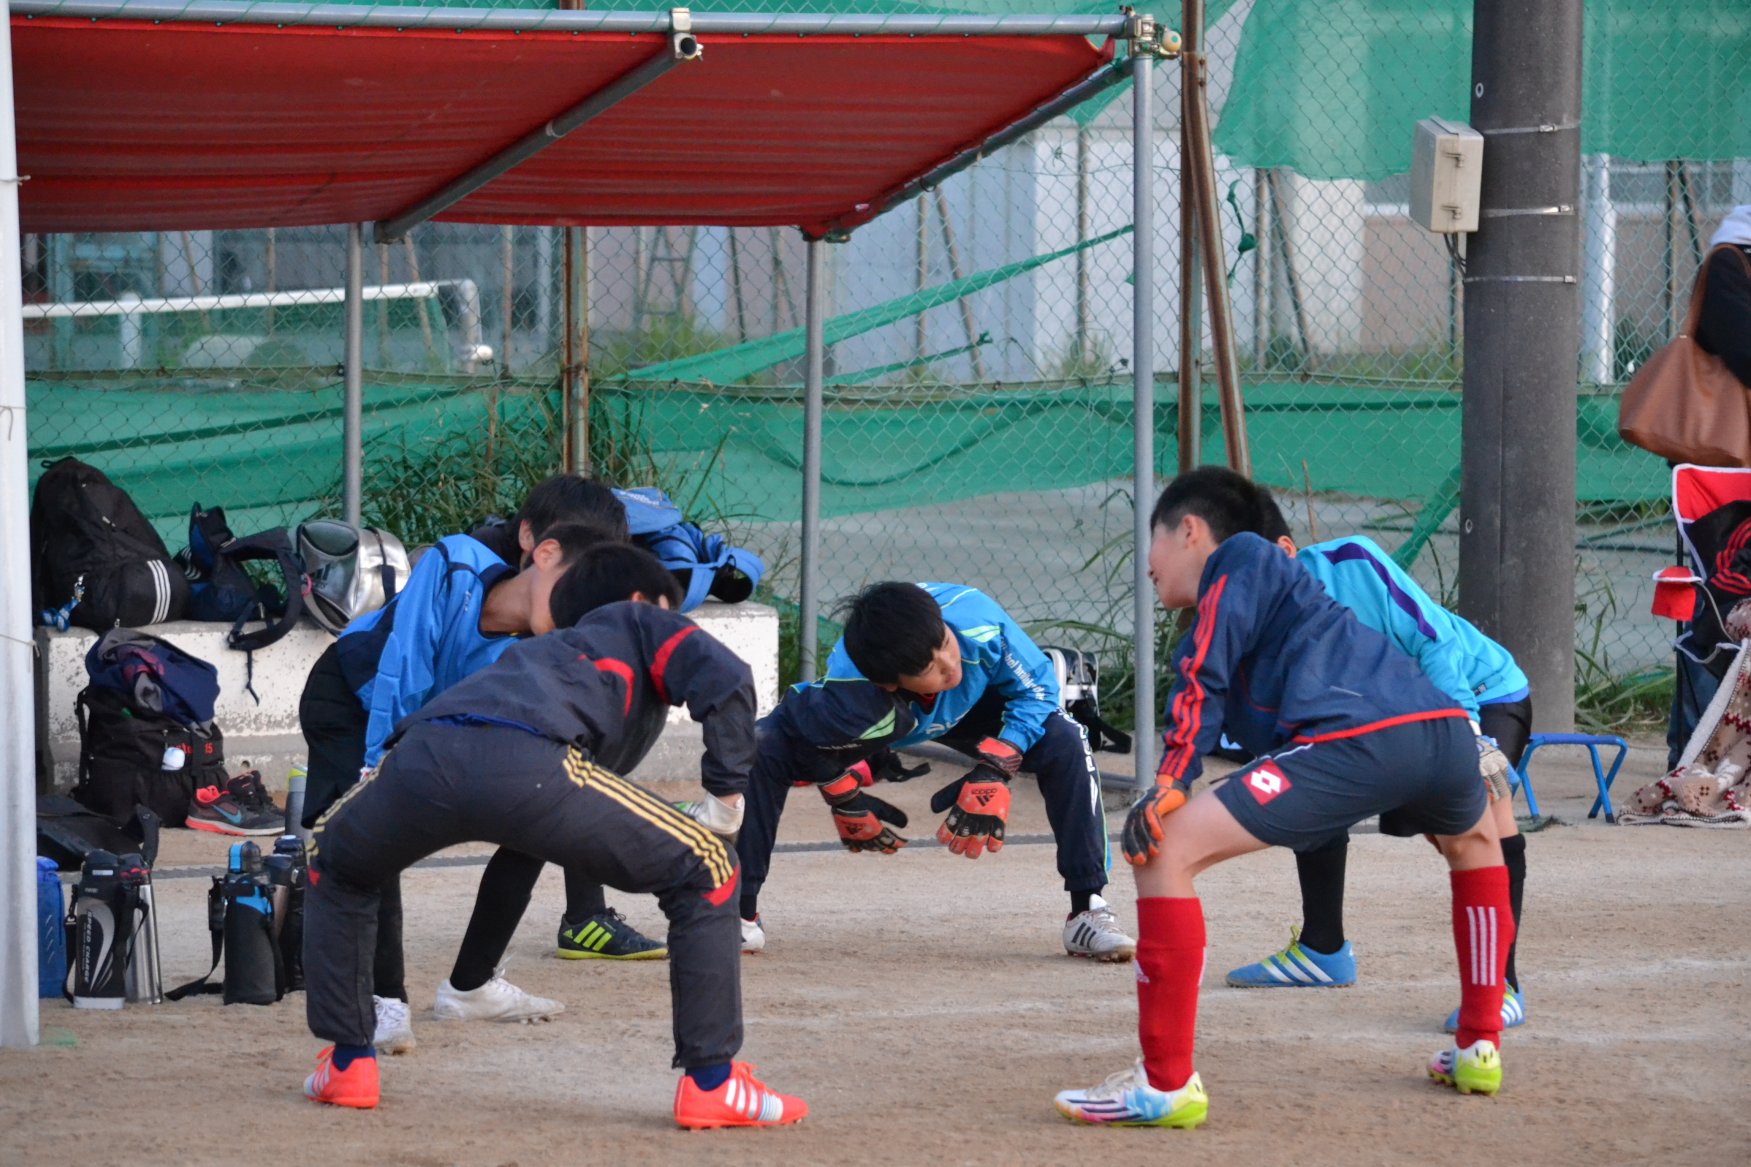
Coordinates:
606 936
1476 1069
1127 1099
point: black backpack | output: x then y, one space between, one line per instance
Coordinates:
95 560
223 591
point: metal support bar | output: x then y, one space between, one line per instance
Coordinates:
814 374
1109 76
550 20
576 346
1143 408
684 46
353 412
1191 305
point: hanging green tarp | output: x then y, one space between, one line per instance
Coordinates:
1332 88
729 365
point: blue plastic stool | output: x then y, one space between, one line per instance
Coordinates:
1601 776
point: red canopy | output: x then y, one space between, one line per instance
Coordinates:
128 125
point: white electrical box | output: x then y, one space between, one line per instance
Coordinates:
1446 176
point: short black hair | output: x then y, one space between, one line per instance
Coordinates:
578 535
891 630
1270 523
1226 500
566 498
607 573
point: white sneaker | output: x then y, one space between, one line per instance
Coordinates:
497 1000
394 1033
753 935
1127 1099
1096 934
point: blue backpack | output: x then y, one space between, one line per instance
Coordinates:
703 564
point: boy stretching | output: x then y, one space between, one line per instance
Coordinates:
527 753
1342 726
934 662
1478 674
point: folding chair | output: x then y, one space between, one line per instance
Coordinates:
1602 777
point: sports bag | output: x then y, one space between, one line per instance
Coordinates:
220 589
129 759
351 570
67 832
153 676
703 564
95 560
1079 696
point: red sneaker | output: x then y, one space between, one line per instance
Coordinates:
355 1086
742 1100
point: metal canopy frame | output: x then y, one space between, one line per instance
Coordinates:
1147 42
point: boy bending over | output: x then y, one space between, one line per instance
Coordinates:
1343 726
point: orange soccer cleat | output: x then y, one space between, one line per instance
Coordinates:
742 1100
355 1086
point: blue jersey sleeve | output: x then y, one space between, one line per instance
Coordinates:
1014 665
407 670
1241 580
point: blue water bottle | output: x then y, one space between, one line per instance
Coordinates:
51 930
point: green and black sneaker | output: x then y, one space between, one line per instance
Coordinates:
607 936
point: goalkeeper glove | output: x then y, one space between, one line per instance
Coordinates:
720 816
1143 824
858 817
884 766
978 809
1493 764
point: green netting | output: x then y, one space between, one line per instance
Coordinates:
1331 88
941 446
729 365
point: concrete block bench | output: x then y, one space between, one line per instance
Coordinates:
266 734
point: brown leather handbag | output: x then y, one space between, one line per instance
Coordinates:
1684 404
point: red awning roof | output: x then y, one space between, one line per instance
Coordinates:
128 125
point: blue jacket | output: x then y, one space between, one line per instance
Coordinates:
995 654
1271 659
425 639
1465 664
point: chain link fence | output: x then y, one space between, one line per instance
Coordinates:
978 422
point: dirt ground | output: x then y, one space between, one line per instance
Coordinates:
923 1006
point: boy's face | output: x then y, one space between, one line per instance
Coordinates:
1176 560
940 675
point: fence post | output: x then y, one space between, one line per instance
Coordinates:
1143 406
1522 334
353 412
813 374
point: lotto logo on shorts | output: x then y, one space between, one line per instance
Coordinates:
1266 782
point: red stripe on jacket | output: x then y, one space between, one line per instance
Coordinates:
660 661
1179 739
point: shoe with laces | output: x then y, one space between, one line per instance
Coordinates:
753 935
1096 935
1513 1011
497 1000
355 1086
394 1033
1476 1069
240 807
606 936
1298 967
1127 1099
742 1100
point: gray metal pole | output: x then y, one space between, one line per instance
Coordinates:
1522 334
1191 316
1143 405
575 345
353 412
813 377
18 943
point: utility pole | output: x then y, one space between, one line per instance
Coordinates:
1522 339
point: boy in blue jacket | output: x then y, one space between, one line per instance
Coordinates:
1479 675
1342 726
934 662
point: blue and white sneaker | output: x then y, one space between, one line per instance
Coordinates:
1127 1099
1513 1011
1297 967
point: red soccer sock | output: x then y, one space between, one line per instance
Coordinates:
1170 967
1483 932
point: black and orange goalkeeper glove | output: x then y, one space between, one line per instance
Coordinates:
980 808
1143 824
884 766
859 817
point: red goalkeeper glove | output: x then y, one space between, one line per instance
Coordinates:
1143 824
980 810
859 817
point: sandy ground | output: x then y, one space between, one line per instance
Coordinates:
923 1006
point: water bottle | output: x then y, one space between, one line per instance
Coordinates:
144 978
296 779
101 933
288 874
250 974
51 964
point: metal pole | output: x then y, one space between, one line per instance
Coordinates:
1522 331
576 346
18 943
1599 292
1143 407
1191 321
353 412
814 373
